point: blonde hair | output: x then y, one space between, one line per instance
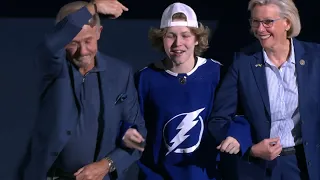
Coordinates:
202 35
288 10
73 7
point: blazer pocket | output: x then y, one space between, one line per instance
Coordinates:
121 98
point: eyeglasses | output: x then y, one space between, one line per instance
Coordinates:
267 23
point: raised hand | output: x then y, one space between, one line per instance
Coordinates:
107 7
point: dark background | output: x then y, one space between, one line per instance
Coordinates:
23 24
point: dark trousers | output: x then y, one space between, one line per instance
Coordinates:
132 173
290 167
58 174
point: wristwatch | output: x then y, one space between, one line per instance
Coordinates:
111 164
95 7
93 20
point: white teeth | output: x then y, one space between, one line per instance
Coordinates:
265 36
178 51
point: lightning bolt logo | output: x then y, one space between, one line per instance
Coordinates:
188 122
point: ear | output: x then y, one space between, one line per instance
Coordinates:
287 24
99 30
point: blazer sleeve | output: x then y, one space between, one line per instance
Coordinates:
122 157
223 121
50 54
125 125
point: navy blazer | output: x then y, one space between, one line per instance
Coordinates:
245 85
59 106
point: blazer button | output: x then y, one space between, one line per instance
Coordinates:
306 143
54 153
309 163
318 145
68 132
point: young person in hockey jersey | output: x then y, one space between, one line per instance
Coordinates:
176 95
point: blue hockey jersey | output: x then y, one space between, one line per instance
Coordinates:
176 108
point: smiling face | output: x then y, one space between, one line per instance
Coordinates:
179 43
268 26
83 48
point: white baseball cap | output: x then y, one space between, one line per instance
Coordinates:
166 20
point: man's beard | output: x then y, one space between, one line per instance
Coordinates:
82 62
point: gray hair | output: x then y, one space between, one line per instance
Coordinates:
73 7
288 10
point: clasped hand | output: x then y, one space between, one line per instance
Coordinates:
268 149
229 145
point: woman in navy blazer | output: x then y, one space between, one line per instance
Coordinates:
276 84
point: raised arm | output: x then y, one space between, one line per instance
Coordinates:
51 53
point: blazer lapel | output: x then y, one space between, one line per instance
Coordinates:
302 66
302 69
258 69
107 82
73 74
